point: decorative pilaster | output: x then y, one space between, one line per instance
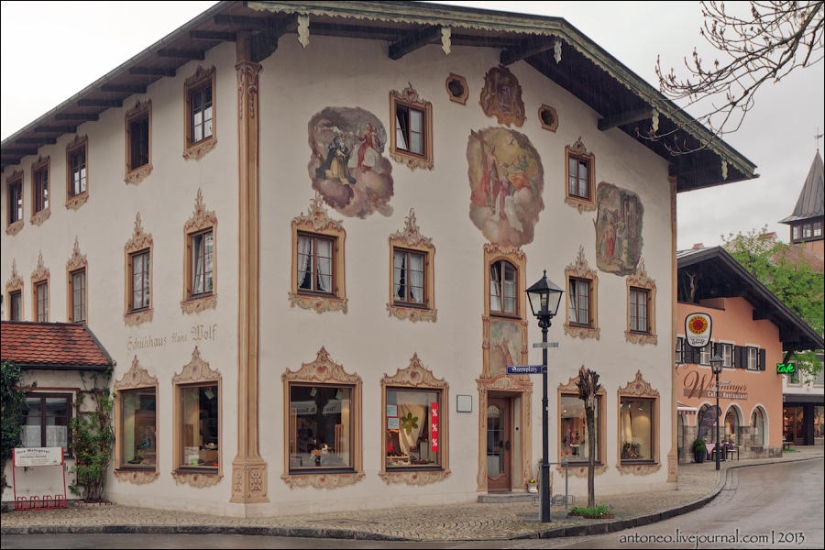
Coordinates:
249 481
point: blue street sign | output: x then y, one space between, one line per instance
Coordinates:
524 369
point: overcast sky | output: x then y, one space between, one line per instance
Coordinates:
52 50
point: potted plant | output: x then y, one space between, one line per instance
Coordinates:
699 450
532 485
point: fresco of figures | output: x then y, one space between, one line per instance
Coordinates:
618 229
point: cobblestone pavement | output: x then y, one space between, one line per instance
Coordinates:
698 484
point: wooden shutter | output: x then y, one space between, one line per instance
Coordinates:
762 359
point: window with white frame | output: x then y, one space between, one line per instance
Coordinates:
503 288
47 418
579 307
639 307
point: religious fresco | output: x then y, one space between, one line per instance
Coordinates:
506 183
618 229
347 166
505 346
501 97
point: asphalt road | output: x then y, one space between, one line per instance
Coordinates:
770 506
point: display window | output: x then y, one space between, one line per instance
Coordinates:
320 426
574 442
412 428
200 444
636 421
138 439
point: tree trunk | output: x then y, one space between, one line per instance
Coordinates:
591 457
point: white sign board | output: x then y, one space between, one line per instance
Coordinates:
697 329
38 456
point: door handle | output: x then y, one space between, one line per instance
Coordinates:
507 445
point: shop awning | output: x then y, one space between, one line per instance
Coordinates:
683 409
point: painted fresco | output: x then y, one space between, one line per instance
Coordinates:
501 97
505 346
618 229
347 166
506 183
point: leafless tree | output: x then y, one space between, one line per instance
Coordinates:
763 44
588 385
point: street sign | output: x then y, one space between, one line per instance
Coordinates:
545 344
524 369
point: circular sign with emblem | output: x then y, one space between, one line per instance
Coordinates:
697 329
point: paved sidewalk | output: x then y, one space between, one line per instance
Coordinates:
698 484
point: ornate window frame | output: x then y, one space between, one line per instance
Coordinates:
77 262
203 78
13 286
315 221
323 370
411 239
14 180
640 280
416 375
579 468
410 99
197 371
41 166
493 253
580 269
40 276
137 377
135 175
76 200
579 152
639 388
139 242
202 221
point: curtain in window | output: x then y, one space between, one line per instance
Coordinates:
416 130
325 266
402 128
203 263
399 276
495 286
416 278
509 289
410 440
304 262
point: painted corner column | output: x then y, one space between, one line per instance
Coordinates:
673 454
249 476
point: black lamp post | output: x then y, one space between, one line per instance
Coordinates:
544 301
716 367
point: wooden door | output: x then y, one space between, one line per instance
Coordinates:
499 445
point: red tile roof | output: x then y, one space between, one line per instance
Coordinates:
51 346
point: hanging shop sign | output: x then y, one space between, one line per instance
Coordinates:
697 329
785 368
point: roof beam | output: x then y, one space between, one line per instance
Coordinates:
100 103
152 71
182 54
55 129
620 119
84 117
124 88
18 152
413 41
265 43
528 48
214 35
260 23
36 140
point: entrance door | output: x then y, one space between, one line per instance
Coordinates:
499 434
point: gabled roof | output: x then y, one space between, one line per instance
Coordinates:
552 46
714 273
58 346
811 201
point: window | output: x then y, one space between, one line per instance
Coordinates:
730 430
318 280
753 358
41 294
797 232
320 426
15 188
578 176
200 262
411 143
77 172
199 123
16 305
726 352
503 288
639 306
412 436
680 355
316 266
40 179
705 354
817 229
579 302
794 378
758 426
200 412
138 428
47 417
77 295
408 277
140 285
637 428
138 142
573 435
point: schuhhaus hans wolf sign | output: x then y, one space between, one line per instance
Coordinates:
697 329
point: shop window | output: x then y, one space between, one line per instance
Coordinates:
637 435
574 441
730 429
199 414
318 261
199 96
412 286
77 172
321 427
503 288
819 423
758 426
138 142
138 428
412 141
46 420
412 437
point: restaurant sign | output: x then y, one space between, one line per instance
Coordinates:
785 368
697 329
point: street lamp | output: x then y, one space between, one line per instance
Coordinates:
544 297
716 367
